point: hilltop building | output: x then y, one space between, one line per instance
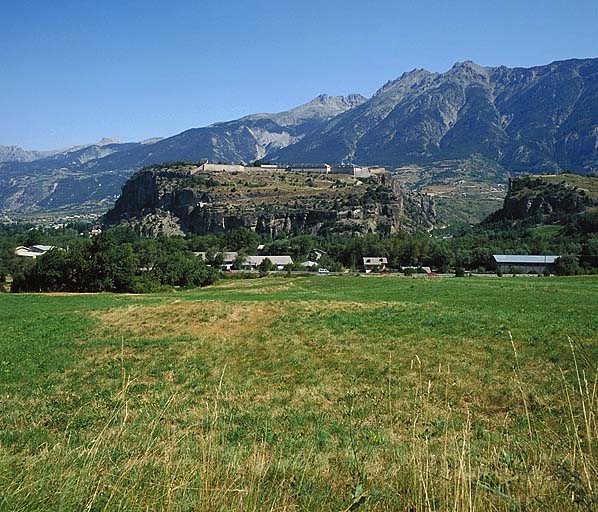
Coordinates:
311 168
323 168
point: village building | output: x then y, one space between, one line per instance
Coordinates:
34 251
228 258
374 264
280 262
525 263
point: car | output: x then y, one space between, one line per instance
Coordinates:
323 271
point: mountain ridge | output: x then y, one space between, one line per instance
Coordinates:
542 119
539 119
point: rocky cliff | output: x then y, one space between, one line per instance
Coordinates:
177 200
547 198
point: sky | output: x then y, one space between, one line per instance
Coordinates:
72 72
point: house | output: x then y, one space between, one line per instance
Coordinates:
374 263
34 251
525 263
280 262
228 258
309 264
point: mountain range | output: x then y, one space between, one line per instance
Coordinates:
539 119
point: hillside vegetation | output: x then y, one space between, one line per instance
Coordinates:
303 394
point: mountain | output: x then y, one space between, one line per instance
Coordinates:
541 119
548 199
17 154
243 140
54 180
92 175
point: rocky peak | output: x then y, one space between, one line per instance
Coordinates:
105 141
468 71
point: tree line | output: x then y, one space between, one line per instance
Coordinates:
120 260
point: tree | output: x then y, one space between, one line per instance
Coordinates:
239 260
241 238
265 266
567 265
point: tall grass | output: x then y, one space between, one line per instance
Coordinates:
419 454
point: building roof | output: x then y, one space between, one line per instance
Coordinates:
525 259
375 260
26 252
276 260
309 264
41 248
298 167
33 251
229 257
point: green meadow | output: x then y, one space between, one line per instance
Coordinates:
308 393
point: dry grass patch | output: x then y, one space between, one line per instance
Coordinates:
188 320
213 319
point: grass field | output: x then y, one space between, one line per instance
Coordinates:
321 393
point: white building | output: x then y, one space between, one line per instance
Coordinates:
280 262
34 251
311 168
376 263
525 263
228 258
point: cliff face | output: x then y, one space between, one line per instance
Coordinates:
181 200
547 198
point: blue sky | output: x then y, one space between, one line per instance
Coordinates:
74 71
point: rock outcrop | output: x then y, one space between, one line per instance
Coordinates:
176 200
546 198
